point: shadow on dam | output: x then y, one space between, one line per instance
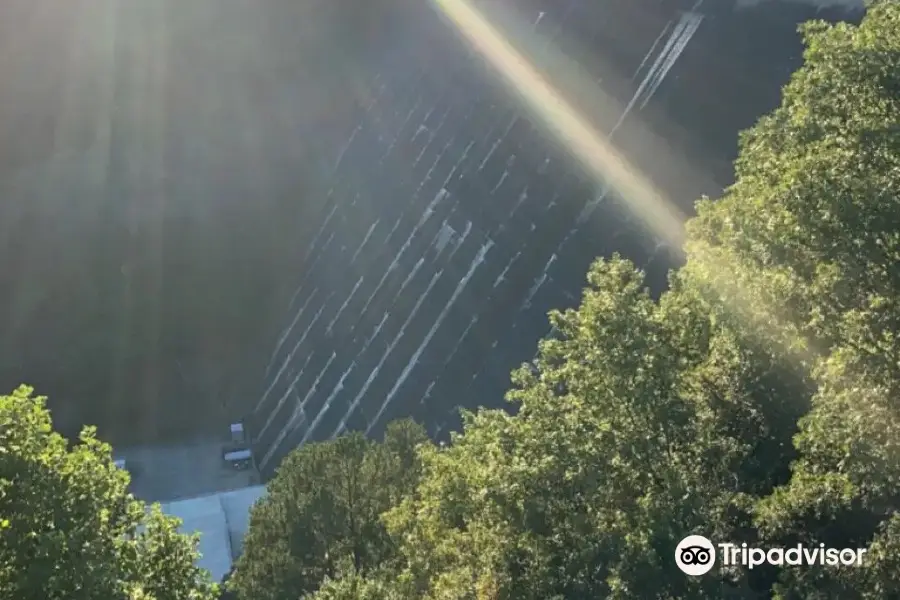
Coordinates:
321 218
452 222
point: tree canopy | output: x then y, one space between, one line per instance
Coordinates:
69 529
321 515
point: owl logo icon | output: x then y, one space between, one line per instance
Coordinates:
695 555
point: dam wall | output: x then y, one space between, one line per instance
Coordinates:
452 221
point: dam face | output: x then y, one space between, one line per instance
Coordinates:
450 222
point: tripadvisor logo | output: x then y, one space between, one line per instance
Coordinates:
696 555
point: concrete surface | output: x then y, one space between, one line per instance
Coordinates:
222 520
163 473
165 165
455 219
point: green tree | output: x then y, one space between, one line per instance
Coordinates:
610 460
323 510
351 584
812 225
69 530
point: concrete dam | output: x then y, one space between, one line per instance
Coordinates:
450 221
321 215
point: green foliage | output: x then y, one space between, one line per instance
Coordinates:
813 223
323 511
68 528
351 584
